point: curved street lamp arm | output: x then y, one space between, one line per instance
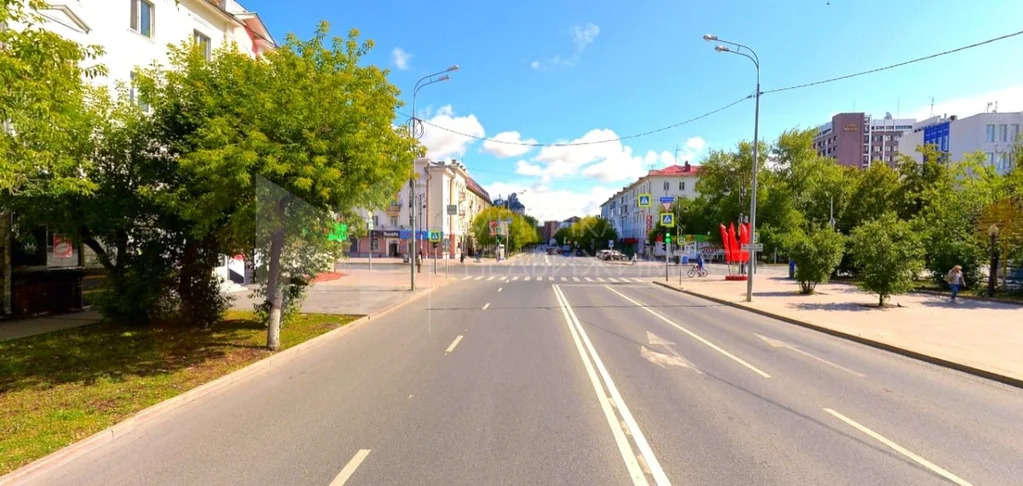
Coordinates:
754 58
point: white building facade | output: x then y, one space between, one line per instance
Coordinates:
633 222
447 200
996 135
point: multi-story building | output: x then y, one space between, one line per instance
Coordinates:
511 203
548 229
633 222
447 200
996 135
857 140
133 34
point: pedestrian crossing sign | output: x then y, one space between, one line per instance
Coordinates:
668 220
434 236
643 200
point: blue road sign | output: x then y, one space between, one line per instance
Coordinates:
405 234
643 200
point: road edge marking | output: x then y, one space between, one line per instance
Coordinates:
650 459
901 450
349 469
692 334
485 306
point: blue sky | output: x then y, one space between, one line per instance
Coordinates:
597 69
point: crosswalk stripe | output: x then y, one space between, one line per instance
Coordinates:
490 278
637 279
575 279
550 279
588 279
479 278
612 279
504 278
600 279
467 277
514 278
564 279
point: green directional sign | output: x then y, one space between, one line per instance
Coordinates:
340 232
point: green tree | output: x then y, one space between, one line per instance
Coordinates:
888 254
592 233
307 118
875 191
816 254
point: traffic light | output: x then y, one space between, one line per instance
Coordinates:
667 238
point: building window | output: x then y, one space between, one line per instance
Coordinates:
374 244
1015 132
133 95
142 17
1003 131
991 157
666 185
682 185
887 138
1003 161
203 41
394 221
866 139
989 134
376 221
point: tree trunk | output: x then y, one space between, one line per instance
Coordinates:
5 264
274 292
880 302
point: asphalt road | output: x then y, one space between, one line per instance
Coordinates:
577 372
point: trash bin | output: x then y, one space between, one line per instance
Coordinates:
685 259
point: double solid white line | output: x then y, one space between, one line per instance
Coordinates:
618 429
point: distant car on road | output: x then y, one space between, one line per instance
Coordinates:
579 252
553 250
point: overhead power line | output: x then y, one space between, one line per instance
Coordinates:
588 142
893 66
725 107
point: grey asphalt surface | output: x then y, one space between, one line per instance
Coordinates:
512 403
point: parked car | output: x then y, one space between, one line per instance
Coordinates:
579 252
603 254
553 250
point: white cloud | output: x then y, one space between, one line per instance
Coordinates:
546 204
610 161
442 144
584 36
691 151
400 58
508 149
525 168
1010 99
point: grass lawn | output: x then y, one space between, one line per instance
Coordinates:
64 386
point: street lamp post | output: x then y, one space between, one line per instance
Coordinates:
752 56
416 131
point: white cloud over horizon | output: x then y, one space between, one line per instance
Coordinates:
442 144
400 58
546 204
508 149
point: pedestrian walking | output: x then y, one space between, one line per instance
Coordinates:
955 280
461 257
419 262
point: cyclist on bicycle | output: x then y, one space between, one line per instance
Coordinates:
699 261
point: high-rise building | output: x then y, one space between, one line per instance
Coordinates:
857 140
996 135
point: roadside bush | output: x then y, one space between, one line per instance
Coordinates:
888 255
294 294
816 255
943 255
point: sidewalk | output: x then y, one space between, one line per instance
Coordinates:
984 335
40 325
358 291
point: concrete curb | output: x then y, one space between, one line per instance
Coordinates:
62 456
967 297
1008 380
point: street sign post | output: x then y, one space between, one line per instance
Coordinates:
369 228
610 243
666 202
452 209
643 200
753 247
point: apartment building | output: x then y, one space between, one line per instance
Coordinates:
996 135
858 140
447 199
132 34
633 222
